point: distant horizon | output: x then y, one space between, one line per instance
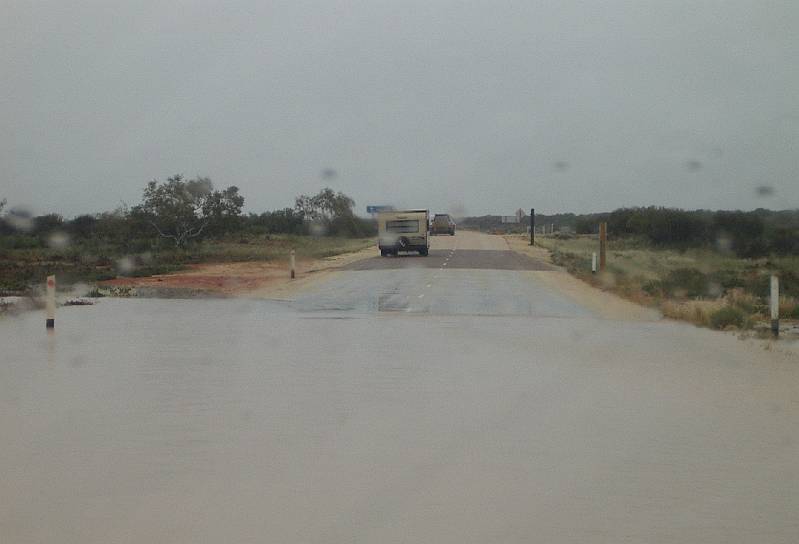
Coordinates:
362 213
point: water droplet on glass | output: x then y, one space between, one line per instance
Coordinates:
724 243
693 165
714 289
764 190
58 240
318 229
20 219
126 265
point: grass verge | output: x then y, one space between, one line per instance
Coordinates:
705 287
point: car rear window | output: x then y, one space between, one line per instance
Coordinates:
404 225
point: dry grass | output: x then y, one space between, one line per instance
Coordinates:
646 263
736 310
694 311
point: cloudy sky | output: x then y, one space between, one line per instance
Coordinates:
471 107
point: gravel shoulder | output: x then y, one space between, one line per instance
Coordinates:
258 279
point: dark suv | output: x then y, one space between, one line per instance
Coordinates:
443 224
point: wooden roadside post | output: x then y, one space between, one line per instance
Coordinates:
775 305
603 238
291 259
532 226
50 302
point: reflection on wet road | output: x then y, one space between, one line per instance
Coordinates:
393 405
439 292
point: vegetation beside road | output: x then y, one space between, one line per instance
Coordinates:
708 267
179 223
20 269
705 286
753 234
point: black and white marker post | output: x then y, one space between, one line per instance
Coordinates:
50 302
775 305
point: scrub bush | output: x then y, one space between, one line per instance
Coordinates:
727 316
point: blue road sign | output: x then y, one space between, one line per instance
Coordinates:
376 209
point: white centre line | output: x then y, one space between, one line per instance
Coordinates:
421 296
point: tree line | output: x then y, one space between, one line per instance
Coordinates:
180 211
747 234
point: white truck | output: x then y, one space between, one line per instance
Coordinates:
403 230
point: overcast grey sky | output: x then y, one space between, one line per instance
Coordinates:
475 107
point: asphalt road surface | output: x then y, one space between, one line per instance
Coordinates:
394 402
468 274
469 250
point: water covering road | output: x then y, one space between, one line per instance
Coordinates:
490 409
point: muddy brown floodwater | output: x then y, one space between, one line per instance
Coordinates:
491 409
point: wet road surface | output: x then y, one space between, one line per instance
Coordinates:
474 259
438 291
469 274
491 409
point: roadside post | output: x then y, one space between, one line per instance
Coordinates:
50 302
603 238
775 305
292 263
532 226
593 262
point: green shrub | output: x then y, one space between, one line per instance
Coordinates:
20 241
726 316
756 283
726 278
653 287
688 282
789 283
746 302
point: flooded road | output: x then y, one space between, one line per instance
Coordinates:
489 410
